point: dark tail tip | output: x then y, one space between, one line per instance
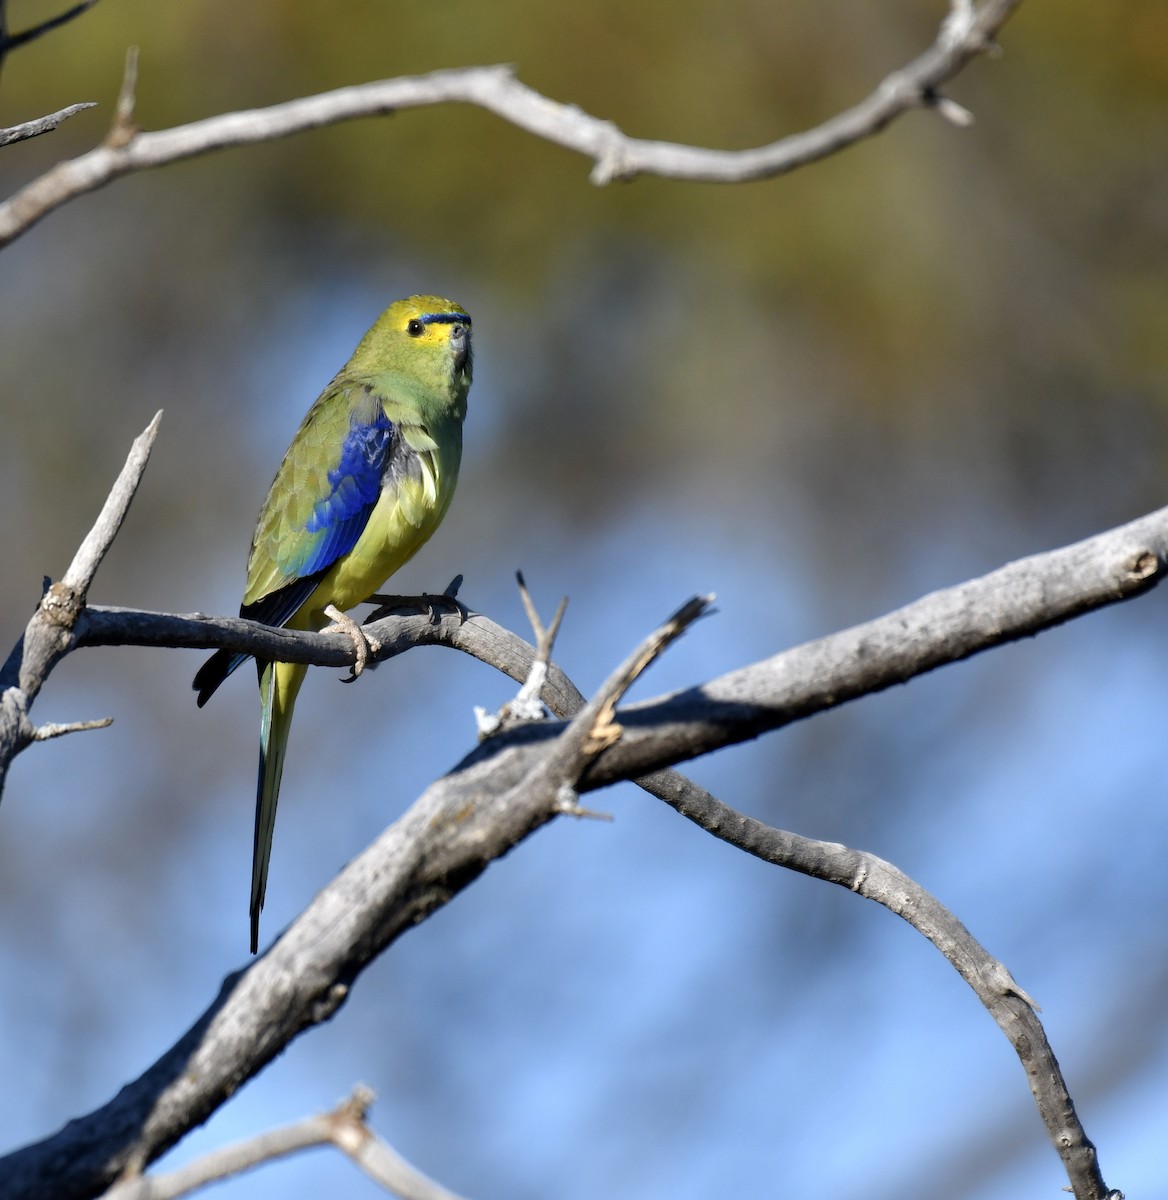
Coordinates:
212 673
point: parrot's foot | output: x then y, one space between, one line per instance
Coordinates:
361 642
430 603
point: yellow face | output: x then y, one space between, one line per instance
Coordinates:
426 337
431 321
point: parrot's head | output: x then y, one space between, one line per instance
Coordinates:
424 337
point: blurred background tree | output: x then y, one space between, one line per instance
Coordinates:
818 396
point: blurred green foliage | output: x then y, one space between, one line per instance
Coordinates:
872 245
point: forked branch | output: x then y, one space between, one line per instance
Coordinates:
344 1128
967 32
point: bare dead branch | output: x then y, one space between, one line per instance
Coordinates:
1014 1012
487 804
124 127
1012 1009
527 704
344 1127
515 783
31 129
496 797
1013 602
99 539
51 633
614 154
44 733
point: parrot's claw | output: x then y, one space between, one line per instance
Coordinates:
429 602
361 642
434 603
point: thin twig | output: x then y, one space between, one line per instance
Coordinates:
51 633
124 128
615 155
54 730
527 704
99 539
344 1127
594 728
34 128
10 41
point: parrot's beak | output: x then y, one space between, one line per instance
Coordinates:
460 344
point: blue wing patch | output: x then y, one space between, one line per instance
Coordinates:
356 483
337 520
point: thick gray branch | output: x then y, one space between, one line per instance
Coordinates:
515 783
500 794
613 153
461 823
1016 601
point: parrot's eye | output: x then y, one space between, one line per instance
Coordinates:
415 328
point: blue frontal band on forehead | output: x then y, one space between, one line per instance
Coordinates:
446 318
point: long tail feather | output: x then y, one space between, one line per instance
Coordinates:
279 684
